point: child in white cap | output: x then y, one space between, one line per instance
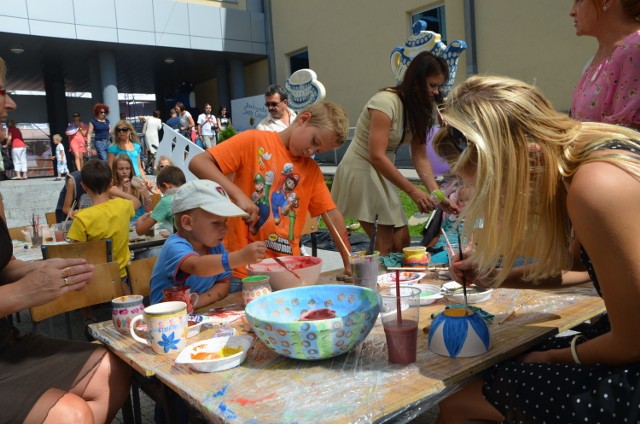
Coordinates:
194 255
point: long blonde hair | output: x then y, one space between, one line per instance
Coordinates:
519 150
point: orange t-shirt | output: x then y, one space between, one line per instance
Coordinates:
283 186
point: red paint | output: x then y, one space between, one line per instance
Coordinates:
318 314
402 341
245 401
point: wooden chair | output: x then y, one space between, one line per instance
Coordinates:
103 286
139 272
16 233
95 252
311 227
51 218
155 198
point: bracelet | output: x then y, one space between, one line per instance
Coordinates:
225 262
574 353
438 194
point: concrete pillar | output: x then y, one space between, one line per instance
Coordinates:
94 81
109 79
237 79
56 102
222 76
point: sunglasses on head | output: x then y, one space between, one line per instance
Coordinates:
271 104
122 130
460 141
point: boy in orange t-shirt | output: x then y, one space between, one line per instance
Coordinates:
276 181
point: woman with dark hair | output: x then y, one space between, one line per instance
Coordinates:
394 115
224 119
99 125
76 131
186 120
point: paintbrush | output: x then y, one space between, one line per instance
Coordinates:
285 266
464 282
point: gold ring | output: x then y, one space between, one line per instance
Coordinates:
66 281
66 272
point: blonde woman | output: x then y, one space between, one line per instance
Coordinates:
126 142
566 193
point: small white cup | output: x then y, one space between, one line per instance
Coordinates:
167 326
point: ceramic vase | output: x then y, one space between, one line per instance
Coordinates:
455 334
255 286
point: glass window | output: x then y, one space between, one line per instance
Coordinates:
435 20
299 61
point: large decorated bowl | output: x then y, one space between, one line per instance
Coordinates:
315 322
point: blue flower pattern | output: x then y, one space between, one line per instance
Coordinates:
169 342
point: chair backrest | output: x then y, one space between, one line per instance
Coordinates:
103 286
16 233
310 225
51 218
155 198
95 251
140 275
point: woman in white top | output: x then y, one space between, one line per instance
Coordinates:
152 126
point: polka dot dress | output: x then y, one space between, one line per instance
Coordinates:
567 393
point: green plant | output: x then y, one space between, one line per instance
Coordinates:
226 133
407 205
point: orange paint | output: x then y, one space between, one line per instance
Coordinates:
245 401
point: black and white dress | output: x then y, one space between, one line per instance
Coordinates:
567 393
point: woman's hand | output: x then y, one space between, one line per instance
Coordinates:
52 279
424 202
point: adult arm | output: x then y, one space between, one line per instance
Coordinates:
69 196
379 132
110 158
33 284
89 134
204 166
116 192
335 223
609 231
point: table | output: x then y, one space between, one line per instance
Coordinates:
30 254
360 386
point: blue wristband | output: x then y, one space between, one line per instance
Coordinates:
225 262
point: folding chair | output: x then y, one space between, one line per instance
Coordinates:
139 272
95 252
17 234
103 286
51 218
311 227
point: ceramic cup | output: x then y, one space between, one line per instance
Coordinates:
457 332
255 286
166 327
400 316
123 309
364 269
182 294
415 256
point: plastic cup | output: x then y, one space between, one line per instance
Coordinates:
365 269
400 317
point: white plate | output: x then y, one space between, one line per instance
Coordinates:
473 295
213 346
428 293
406 278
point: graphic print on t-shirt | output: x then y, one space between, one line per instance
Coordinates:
278 202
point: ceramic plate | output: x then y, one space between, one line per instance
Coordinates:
406 278
217 354
474 295
428 293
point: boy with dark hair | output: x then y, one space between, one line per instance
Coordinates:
107 219
169 179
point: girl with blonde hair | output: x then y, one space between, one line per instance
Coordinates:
565 193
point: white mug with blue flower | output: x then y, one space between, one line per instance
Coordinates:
167 326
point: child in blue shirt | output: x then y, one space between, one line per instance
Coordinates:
194 255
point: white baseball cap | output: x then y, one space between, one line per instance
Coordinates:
206 195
